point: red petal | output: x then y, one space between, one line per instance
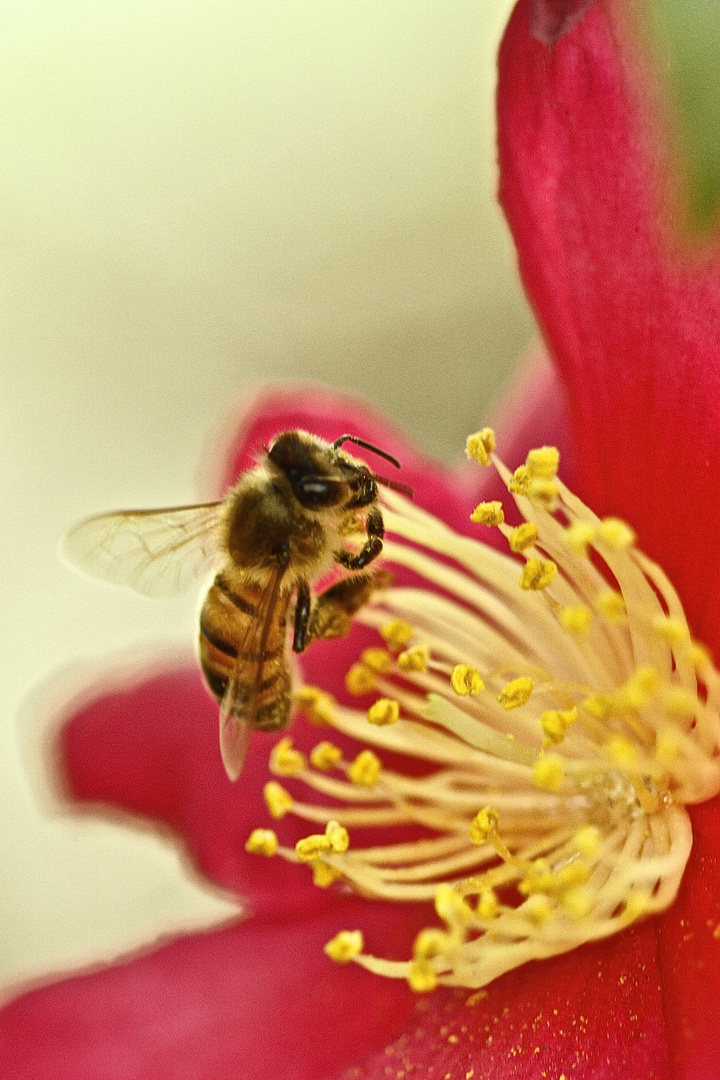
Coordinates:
689 955
631 320
257 1001
594 1014
151 747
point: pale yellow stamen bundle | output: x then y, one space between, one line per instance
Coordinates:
563 718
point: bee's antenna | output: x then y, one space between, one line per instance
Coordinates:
368 446
404 489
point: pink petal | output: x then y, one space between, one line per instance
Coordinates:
256 1000
630 318
594 1014
151 748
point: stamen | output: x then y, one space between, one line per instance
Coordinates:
560 716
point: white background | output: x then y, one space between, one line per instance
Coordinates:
196 195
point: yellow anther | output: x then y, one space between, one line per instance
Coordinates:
466 680
572 874
365 769
578 902
384 711
480 446
519 482
318 706
699 657
523 537
345 946
637 905
543 462
378 660
430 942
325 756
325 875
622 751
680 701
421 976
549 772
597 705
540 879
542 492
575 618
642 687
616 533
414 659
451 907
487 905
538 908
278 801
285 760
312 847
337 834
587 841
484 826
488 513
579 536
537 573
555 723
397 633
262 842
516 693
667 746
672 631
359 680
611 606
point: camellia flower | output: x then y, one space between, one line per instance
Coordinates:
519 766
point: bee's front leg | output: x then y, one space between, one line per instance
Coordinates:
375 529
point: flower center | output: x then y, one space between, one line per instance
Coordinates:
560 716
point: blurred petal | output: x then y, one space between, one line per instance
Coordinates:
151 748
593 1014
257 1000
550 19
631 320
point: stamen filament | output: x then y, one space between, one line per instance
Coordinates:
562 719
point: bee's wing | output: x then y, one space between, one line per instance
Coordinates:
238 707
155 552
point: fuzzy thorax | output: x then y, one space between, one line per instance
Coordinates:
563 718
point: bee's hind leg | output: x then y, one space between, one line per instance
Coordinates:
331 615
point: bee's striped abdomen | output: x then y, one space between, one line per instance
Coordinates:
233 622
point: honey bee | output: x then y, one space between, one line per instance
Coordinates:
278 532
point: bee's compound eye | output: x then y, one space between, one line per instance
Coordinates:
316 491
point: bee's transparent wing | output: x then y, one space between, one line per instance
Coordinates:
155 552
238 708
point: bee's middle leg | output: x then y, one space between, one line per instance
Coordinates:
332 612
303 607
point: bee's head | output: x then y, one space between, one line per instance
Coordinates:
322 475
319 477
